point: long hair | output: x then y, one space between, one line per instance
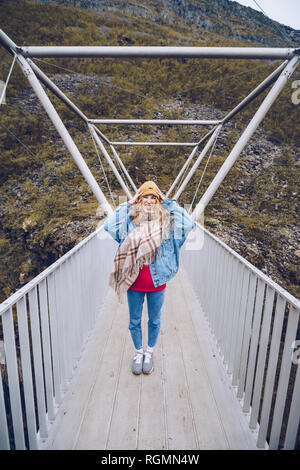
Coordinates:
138 215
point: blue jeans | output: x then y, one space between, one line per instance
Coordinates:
155 301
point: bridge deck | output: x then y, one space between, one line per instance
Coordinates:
186 403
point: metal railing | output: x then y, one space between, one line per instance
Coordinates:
45 326
255 324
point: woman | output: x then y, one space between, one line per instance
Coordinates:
150 230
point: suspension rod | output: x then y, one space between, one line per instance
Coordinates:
61 129
123 167
198 161
109 160
247 134
54 88
256 92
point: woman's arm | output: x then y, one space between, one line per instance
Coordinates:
183 223
117 224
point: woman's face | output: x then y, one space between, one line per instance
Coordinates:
148 202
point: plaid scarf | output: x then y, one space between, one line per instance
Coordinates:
142 245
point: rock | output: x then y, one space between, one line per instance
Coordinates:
211 221
28 223
297 257
204 15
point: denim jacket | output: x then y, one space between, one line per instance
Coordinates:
119 225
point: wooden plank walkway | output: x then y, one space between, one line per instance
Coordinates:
186 403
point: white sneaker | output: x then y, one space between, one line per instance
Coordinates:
137 363
148 362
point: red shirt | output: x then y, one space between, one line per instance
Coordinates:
144 281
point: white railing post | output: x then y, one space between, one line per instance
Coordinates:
13 379
27 372
4 436
55 314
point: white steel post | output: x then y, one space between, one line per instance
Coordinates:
189 159
123 167
257 91
198 161
191 156
109 160
159 51
61 129
52 87
247 134
156 122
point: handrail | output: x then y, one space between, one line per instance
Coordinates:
31 284
44 326
255 324
247 312
283 292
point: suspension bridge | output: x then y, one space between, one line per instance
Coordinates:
225 373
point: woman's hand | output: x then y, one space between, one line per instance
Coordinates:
136 196
139 193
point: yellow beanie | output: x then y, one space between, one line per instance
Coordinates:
149 187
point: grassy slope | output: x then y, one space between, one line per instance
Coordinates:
46 206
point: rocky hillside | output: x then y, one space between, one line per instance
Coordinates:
219 16
46 206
